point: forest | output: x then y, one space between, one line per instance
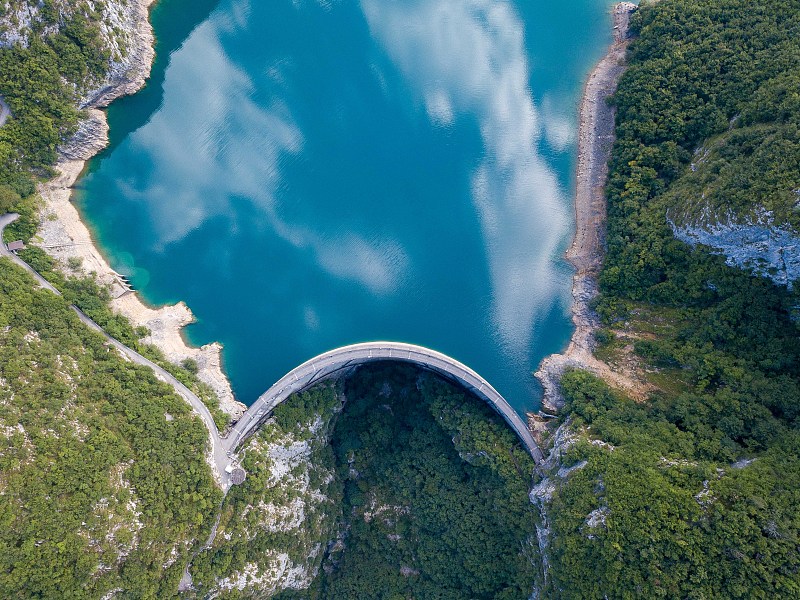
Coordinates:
103 484
102 476
389 483
693 493
435 499
415 489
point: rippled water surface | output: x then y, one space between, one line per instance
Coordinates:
308 174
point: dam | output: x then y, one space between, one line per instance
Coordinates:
335 361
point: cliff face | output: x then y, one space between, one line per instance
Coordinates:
127 40
123 27
273 529
740 197
287 516
758 245
126 29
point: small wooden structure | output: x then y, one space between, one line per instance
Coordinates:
16 245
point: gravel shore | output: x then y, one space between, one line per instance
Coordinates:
595 139
63 235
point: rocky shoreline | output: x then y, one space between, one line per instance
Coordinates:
595 140
64 236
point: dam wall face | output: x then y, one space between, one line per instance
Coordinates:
341 359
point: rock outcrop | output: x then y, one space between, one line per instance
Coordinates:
124 28
758 245
91 137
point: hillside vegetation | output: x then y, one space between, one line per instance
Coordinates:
694 493
42 76
416 489
742 175
435 501
274 528
103 483
411 489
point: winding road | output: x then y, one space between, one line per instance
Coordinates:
306 375
220 456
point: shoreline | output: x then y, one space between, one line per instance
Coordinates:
585 254
64 236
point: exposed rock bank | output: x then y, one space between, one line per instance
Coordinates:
757 245
64 236
5 112
595 139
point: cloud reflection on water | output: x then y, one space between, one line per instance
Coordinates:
468 57
236 148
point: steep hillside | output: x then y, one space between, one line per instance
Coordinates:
741 197
57 58
700 71
408 488
274 529
102 477
435 495
692 492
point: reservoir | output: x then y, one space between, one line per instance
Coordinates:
307 174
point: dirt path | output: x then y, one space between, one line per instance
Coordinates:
595 139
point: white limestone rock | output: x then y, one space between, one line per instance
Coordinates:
757 244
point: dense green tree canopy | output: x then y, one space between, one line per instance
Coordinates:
102 473
435 495
694 493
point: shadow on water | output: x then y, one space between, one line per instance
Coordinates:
129 113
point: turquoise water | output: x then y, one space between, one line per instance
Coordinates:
308 174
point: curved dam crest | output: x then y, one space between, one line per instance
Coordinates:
306 375
329 363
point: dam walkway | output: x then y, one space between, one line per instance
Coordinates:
309 373
347 357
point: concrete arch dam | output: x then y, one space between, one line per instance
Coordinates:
325 365
298 379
